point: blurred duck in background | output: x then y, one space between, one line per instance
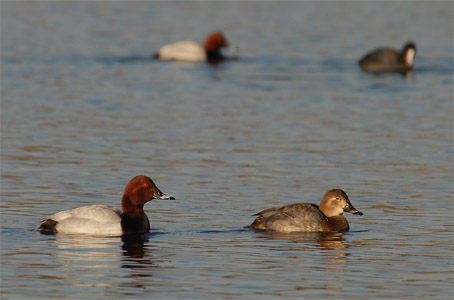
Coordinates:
193 51
390 60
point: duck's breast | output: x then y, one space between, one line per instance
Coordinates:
336 223
184 51
94 219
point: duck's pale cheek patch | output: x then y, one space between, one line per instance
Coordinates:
409 57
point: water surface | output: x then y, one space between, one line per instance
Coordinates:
84 109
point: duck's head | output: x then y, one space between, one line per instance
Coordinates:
139 191
409 53
336 202
215 41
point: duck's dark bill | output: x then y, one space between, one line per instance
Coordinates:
356 212
349 208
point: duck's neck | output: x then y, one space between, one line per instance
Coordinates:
336 223
130 208
214 56
133 219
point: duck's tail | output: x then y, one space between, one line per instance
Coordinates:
49 226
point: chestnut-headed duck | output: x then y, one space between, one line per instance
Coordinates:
389 60
105 220
210 51
308 217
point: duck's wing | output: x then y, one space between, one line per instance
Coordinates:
99 213
267 212
304 212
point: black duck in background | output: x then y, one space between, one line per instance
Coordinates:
389 60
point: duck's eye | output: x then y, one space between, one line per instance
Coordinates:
338 199
146 185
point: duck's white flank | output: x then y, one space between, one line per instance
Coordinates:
93 219
184 51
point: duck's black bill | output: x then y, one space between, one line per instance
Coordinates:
350 209
356 212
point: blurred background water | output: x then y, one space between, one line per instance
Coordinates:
84 109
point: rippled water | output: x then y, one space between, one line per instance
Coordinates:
84 109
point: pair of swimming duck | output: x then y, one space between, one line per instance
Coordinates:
105 220
379 60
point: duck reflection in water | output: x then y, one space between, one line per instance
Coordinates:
137 257
326 240
133 246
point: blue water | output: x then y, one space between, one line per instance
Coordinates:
84 109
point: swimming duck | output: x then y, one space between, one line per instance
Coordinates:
308 217
389 60
187 50
102 219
